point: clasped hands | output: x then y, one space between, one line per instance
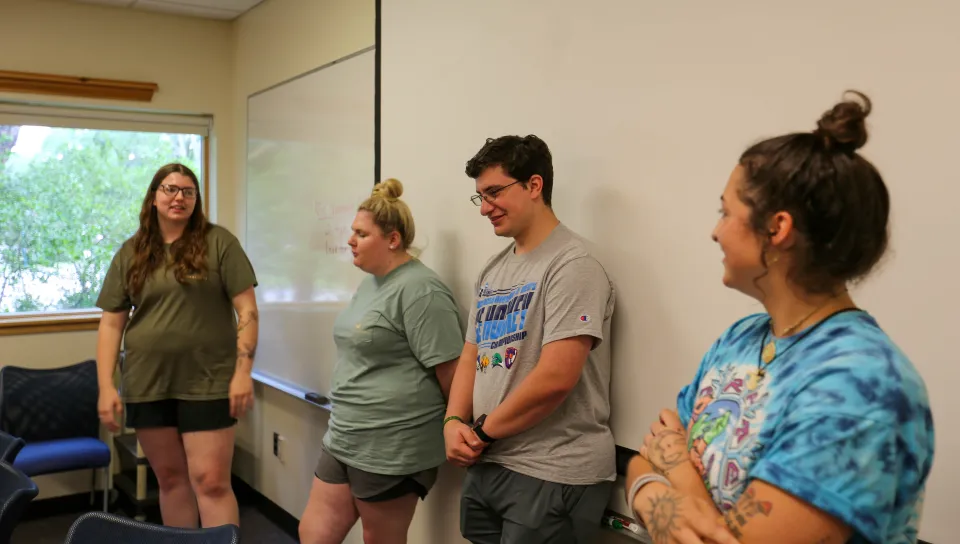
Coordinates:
670 515
463 446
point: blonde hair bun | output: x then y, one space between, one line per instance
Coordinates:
390 189
389 212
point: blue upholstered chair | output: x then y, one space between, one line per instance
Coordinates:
100 527
55 412
16 492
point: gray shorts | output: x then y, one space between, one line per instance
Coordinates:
370 487
500 506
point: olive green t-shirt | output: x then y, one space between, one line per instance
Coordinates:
387 404
181 341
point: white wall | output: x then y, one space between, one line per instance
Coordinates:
188 58
646 107
278 40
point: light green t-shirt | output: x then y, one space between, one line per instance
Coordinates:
387 404
181 341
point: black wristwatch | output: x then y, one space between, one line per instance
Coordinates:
478 429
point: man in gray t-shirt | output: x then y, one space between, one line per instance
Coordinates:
529 406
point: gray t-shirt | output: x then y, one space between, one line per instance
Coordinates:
524 302
387 404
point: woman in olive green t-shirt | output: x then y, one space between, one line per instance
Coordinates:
397 346
188 348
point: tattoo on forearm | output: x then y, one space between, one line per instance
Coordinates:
246 319
746 509
247 347
668 450
663 513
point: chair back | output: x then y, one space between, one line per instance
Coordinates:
16 492
39 404
10 446
101 527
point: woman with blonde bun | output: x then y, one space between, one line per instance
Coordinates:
397 346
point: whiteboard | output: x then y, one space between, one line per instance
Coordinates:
646 107
310 163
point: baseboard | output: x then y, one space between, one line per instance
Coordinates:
272 511
79 503
66 504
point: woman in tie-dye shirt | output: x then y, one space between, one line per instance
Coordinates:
806 423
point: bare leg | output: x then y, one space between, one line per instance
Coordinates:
164 451
387 522
329 515
209 459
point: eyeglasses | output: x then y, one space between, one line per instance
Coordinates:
172 190
491 195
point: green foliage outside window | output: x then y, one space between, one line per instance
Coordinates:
68 204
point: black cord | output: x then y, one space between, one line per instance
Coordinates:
763 341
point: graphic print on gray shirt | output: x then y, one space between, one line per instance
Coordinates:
524 302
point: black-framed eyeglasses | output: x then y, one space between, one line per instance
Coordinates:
172 190
491 195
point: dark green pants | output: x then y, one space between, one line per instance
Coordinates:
500 506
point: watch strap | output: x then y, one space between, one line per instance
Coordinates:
478 430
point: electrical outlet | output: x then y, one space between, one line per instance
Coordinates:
278 448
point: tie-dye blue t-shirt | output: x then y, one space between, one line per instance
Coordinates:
841 420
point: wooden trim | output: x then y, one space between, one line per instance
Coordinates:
47 323
82 87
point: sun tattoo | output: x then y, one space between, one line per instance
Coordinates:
663 513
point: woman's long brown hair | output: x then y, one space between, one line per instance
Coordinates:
188 254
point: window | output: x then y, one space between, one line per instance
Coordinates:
71 186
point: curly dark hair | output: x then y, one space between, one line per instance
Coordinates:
188 255
520 157
837 199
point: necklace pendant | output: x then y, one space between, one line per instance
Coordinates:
769 352
753 380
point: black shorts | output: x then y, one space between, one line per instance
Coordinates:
186 415
370 487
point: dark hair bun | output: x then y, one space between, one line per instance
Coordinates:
844 127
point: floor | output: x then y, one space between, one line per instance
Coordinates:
254 527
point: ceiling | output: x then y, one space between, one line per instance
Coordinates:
207 9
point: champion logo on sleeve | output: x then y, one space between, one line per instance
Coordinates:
585 318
